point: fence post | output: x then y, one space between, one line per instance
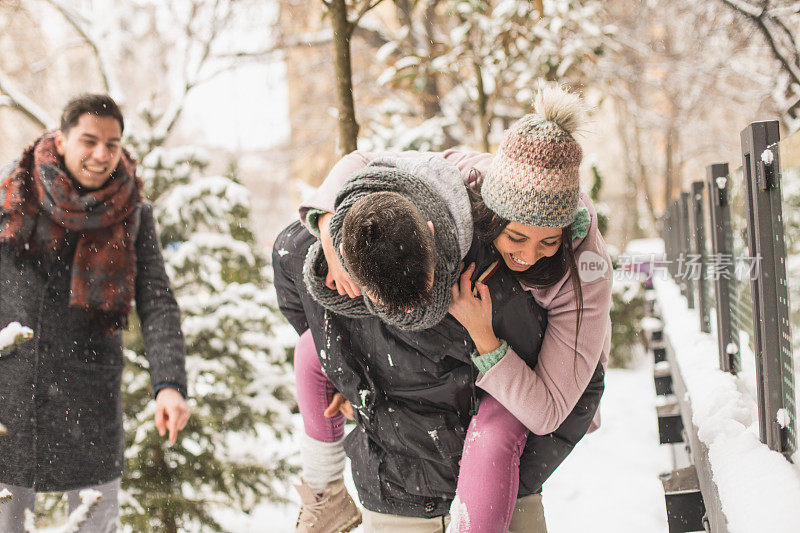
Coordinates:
698 224
718 182
772 342
670 228
676 241
666 234
687 285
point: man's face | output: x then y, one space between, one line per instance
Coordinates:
91 149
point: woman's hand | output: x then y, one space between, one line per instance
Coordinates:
475 314
339 404
337 279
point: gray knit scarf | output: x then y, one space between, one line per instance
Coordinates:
453 231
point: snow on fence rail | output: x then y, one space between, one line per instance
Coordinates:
735 411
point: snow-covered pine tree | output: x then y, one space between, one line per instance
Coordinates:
236 448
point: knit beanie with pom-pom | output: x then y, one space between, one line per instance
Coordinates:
533 179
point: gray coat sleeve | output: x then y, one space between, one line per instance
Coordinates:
157 309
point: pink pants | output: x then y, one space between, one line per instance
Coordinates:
489 477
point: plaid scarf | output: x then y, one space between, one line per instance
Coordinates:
39 203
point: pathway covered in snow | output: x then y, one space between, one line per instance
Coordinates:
608 484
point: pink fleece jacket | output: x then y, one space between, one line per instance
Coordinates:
540 398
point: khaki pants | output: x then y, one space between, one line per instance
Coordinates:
528 517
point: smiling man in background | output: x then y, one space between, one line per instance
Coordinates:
78 244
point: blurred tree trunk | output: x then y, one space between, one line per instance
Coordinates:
422 39
430 100
483 111
635 171
643 176
669 165
342 33
348 127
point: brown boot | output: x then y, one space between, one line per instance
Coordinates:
333 511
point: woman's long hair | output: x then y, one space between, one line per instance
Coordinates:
547 271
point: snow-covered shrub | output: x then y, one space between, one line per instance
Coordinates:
627 310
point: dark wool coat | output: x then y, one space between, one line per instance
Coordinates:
60 392
413 393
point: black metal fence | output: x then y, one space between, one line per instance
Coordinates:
726 250
762 313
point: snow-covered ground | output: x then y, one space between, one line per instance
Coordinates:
608 484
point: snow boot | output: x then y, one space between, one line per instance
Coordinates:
333 511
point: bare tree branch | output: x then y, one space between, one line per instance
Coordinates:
44 64
173 113
210 75
373 36
80 24
757 16
197 76
367 5
792 69
16 99
792 9
745 8
787 34
317 38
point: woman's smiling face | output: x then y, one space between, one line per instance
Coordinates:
521 246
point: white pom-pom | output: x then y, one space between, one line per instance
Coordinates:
558 105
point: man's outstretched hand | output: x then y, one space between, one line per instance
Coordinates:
172 413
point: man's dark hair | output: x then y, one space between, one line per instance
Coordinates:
100 105
389 250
